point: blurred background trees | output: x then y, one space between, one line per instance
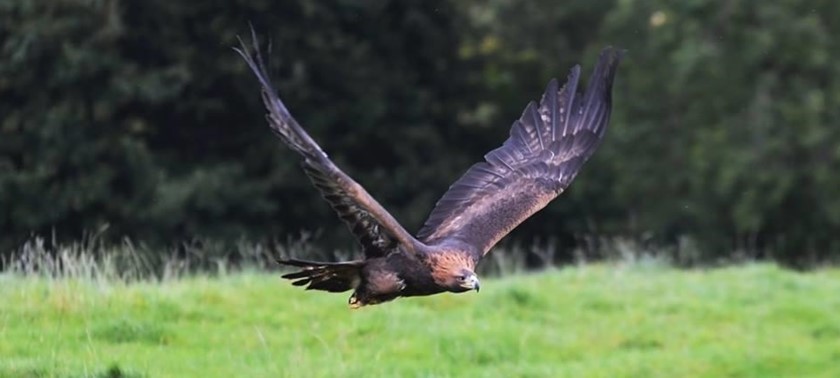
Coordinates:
136 119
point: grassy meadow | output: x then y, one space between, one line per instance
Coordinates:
608 320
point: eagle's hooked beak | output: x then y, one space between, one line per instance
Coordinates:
475 283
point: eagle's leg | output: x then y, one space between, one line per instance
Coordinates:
361 298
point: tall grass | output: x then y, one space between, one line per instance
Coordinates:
127 261
92 259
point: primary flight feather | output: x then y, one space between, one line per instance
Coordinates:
547 146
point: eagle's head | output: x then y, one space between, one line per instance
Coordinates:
465 280
454 273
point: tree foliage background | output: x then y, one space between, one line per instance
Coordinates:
137 118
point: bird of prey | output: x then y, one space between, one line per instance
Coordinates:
547 146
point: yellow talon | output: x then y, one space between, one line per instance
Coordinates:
353 302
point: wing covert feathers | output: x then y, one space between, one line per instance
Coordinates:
547 146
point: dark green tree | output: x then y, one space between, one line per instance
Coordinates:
727 125
139 116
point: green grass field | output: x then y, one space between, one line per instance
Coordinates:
591 321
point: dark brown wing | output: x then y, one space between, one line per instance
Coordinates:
377 231
546 149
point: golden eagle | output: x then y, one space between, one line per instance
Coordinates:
546 149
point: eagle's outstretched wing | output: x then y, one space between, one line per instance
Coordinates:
546 149
377 231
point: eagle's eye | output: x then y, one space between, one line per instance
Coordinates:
462 278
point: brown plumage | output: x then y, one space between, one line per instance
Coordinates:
546 149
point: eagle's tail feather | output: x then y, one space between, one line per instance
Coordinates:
326 276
